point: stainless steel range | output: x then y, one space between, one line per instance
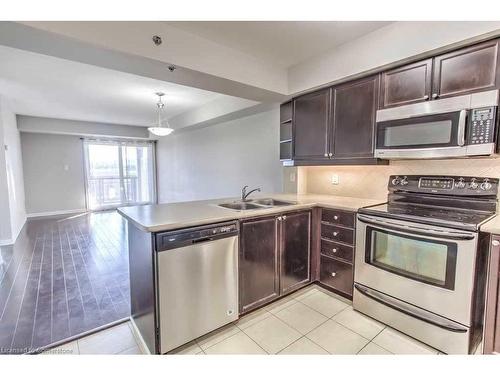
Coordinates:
417 265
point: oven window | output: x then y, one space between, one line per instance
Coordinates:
426 260
427 133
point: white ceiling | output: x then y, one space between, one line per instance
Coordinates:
39 85
281 42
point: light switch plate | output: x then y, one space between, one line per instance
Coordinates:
335 179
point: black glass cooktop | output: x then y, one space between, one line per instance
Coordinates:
450 217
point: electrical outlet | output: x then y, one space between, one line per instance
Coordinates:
335 179
292 177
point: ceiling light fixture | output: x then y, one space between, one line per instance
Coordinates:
161 130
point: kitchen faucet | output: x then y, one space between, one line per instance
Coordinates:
244 193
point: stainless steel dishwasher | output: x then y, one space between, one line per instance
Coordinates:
197 282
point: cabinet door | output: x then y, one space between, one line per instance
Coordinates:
466 70
311 125
407 84
258 263
295 251
492 313
355 104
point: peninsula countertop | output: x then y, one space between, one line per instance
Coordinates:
169 216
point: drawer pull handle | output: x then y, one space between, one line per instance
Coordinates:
335 217
334 250
495 242
333 274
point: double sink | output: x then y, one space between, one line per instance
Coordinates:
255 204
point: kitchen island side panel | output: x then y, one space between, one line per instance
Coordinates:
142 292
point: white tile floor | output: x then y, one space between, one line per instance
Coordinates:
311 321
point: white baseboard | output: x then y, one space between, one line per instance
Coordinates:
54 213
6 242
12 240
138 337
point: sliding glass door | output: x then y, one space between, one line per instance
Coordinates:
119 173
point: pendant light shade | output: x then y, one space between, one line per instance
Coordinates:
160 130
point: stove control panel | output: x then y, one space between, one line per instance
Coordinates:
445 185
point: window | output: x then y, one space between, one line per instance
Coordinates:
118 173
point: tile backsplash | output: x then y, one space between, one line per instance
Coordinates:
371 181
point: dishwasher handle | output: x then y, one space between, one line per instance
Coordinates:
190 236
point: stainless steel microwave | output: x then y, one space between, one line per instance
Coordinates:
454 127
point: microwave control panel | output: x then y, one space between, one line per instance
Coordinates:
482 125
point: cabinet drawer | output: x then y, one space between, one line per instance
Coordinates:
343 218
337 275
335 249
336 233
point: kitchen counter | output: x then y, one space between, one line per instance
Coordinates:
492 226
169 216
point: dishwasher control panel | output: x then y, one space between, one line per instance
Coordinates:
188 236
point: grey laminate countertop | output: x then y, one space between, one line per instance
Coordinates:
492 226
162 217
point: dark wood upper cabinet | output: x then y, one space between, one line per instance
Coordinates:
258 263
311 125
466 70
295 251
492 313
354 107
407 84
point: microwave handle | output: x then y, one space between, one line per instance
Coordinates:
461 127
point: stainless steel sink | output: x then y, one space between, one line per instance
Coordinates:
240 206
270 202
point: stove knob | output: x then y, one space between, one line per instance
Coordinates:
460 184
404 181
396 180
473 184
486 185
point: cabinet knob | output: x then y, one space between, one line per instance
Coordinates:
435 96
426 97
334 250
284 217
326 155
335 217
495 242
330 154
279 218
333 274
335 234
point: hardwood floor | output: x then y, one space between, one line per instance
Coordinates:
62 277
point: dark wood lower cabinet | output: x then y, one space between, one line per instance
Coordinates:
258 262
295 251
492 318
337 274
336 249
274 257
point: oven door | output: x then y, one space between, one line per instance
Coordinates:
426 266
425 136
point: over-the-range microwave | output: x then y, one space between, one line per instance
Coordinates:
453 127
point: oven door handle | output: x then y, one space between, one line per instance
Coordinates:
411 310
418 230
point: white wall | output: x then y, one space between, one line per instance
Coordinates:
217 161
12 164
389 44
53 173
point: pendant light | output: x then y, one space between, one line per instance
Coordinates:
161 130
